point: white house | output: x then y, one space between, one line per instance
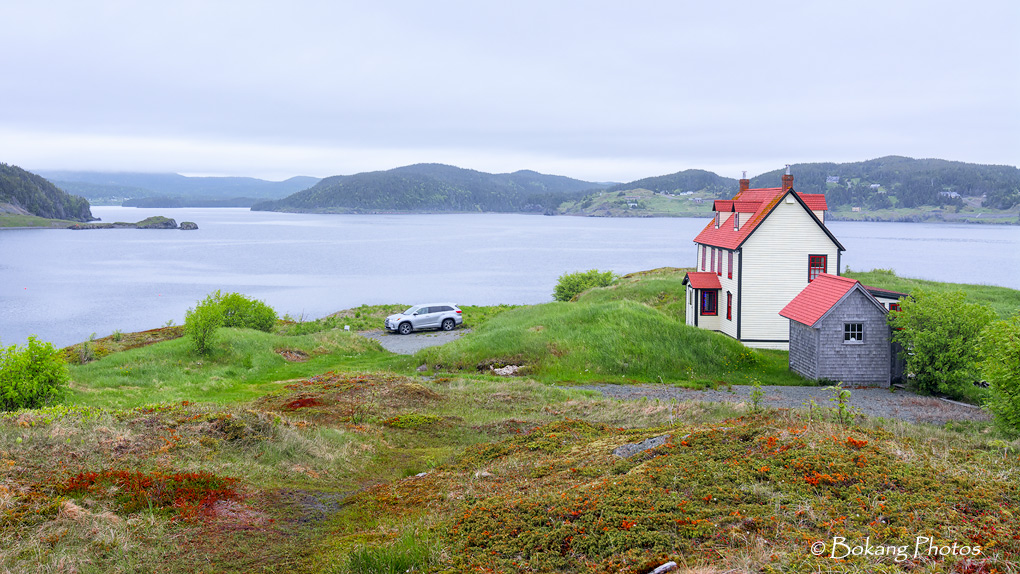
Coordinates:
759 251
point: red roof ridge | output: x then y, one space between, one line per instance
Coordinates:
759 203
815 300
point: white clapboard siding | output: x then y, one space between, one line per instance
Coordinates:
775 270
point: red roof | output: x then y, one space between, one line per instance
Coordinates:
815 201
703 280
817 298
759 203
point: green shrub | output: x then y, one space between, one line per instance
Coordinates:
240 311
200 323
571 285
1000 364
31 377
939 333
226 310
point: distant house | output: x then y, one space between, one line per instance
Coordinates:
838 332
758 252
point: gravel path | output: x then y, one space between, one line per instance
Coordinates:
884 403
411 344
872 402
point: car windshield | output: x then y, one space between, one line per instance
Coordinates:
410 310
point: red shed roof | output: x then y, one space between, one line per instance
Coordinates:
818 297
703 280
758 202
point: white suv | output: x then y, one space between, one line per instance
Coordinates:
445 316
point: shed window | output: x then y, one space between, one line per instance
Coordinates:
709 302
894 306
853 333
817 264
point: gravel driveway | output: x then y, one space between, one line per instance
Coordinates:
411 344
901 404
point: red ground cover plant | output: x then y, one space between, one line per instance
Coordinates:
187 494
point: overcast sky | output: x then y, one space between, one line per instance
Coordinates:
602 91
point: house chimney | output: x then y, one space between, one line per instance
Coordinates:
787 180
744 182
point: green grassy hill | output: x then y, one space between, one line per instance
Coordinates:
631 331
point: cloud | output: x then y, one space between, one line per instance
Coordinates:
607 89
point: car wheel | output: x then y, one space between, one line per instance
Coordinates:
448 324
405 328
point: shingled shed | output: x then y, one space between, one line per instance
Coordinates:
838 331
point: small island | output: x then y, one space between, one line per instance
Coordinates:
155 222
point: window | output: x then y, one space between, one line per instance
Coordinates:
736 220
713 259
709 303
729 265
704 253
817 264
853 333
894 306
729 306
718 219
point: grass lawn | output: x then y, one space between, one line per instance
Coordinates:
243 364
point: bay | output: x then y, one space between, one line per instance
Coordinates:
62 286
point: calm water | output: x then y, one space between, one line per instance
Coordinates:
64 285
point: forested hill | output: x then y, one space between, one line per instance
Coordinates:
687 180
29 194
902 182
433 187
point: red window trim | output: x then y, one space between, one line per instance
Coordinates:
729 268
713 259
816 270
719 269
729 306
704 253
709 302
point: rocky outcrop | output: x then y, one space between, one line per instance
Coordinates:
157 222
